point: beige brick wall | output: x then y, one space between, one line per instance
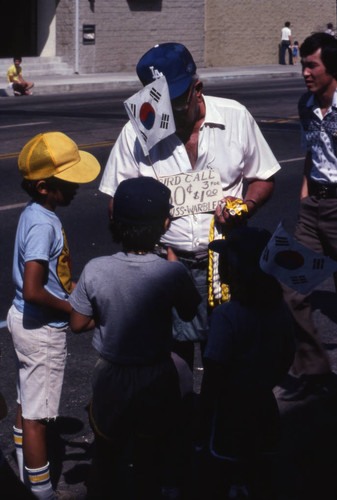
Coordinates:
248 32
217 32
126 29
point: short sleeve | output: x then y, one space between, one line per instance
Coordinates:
79 297
39 243
259 160
122 163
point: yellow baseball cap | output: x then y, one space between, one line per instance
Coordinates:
54 154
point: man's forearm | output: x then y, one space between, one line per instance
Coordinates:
258 192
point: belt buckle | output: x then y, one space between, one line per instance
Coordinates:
323 191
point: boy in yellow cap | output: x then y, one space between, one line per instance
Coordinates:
52 167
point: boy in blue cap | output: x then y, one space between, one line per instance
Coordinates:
249 351
128 297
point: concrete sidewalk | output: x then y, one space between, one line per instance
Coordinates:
57 84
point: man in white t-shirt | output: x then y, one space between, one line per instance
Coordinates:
286 43
211 134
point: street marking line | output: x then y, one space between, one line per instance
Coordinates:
20 205
23 124
290 119
15 205
292 159
80 146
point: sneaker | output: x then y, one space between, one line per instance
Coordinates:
64 495
310 385
16 92
170 493
28 93
238 492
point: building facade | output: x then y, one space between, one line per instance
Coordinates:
95 36
248 32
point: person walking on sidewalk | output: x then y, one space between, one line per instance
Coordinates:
15 78
286 43
316 226
211 133
330 30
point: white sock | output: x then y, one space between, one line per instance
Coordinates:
40 483
17 434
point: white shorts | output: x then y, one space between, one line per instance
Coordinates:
40 353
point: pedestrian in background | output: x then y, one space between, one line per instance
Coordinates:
286 43
15 78
316 226
295 50
330 30
51 166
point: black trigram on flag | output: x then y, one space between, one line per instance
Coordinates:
318 264
155 94
298 280
143 135
165 118
133 109
281 241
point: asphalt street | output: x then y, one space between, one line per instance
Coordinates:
307 464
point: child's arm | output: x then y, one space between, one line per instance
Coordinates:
81 323
34 292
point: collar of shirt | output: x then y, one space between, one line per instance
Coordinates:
213 118
312 103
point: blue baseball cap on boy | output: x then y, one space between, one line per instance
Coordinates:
172 60
141 201
242 248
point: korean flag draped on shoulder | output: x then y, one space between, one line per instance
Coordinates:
293 264
151 115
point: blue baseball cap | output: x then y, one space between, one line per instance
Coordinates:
243 247
141 201
172 60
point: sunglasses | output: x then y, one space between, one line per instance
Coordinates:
183 102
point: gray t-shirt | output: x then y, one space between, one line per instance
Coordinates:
131 298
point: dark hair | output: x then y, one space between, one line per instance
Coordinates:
328 46
52 183
19 58
287 23
329 25
137 238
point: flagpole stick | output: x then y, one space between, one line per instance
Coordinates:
154 170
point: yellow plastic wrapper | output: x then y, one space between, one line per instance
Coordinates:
219 292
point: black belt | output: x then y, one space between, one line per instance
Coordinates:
192 260
191 255
322 190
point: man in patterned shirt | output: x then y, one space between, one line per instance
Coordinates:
317 220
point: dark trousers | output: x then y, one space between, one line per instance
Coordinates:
316 228
285 46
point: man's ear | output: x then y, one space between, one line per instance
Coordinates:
41 187
167 223
198 88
